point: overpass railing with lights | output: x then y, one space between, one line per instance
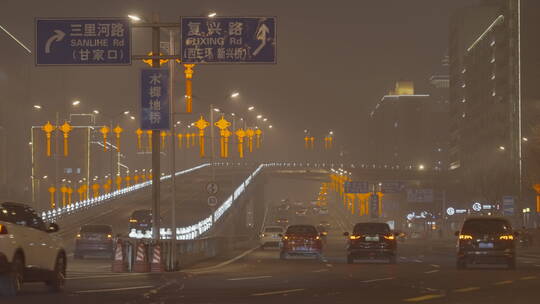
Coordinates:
196 230
55 214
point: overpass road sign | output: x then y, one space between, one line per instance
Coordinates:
83 41
356 187
228 40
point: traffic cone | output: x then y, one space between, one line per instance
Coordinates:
141 260
119 263
157 264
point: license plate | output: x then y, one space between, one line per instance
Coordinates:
372 238
300 248
143 225
485 245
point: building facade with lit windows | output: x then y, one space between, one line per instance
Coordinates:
493 100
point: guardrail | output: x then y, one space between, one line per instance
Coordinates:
193 231
55 214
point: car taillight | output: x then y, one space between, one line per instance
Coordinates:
3 229
389 237
354 237
78 235
133 221
465 237
109 236
285 237
317 237
506 237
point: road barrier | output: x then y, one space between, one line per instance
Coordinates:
157 264
120 263
141 258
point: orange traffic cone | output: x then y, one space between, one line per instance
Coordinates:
157 262
141 260
119 262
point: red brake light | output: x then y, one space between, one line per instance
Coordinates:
3 229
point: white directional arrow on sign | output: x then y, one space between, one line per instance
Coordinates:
261 35
58 36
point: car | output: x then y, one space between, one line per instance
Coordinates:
282 221
270 236
141 220
284 207
371 240
486 240
301 240
323 211
325 224
94 239
30 250
301 212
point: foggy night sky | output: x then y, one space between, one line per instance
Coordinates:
335 59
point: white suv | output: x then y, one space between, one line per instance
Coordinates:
270 236
29 250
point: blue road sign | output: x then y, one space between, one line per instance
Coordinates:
356 187
508 205
374 206
391 187
228 40
155 111
86 41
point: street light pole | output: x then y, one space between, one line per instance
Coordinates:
156 168
172 150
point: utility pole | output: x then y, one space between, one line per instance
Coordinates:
156 166
172 150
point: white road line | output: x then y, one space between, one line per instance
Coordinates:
277 292
114 289
329 265
432 271
249 278
377 280
418 261
212 268
321 270
435 265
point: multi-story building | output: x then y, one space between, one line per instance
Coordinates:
407 127
494 92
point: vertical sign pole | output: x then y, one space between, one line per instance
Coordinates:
156 168
172 152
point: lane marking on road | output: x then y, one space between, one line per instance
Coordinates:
537 265
248 278
329 265
377 280
528 278
213 268
321 270
435 265
115 289
503 282
424 298
418 261
466 289
432 271
277 292
112 275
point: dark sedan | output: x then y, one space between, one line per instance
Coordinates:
94 240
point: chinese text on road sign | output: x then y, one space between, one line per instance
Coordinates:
228 40
155 99
356 187
94 41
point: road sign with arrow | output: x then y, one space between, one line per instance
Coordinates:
228 40
85 41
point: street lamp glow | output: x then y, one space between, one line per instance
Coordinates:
259 116
216 109
45 177
502 148
235 94
421 167
232 114
37 107
96 112
251 108
270 127
76 102
331 132
212 15
134 18
265 119
126 112
132 117
525 139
